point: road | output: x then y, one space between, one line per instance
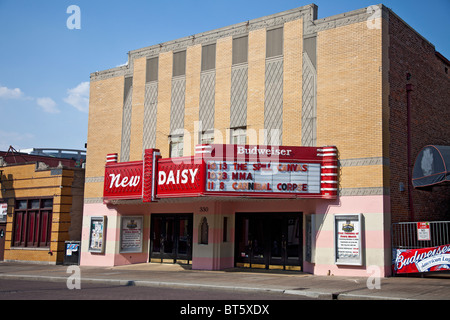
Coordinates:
40 290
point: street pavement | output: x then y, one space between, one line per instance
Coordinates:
430 287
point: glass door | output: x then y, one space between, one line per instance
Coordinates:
277 236
171 237
293 241
251 245
184 244
269 240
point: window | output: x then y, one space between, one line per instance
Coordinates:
152 70
176 146
32 222
179 63
238 136
207 137
240 50
274 43
209 57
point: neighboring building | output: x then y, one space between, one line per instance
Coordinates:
42 198
357 95
74 154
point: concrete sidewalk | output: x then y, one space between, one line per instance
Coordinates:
435 287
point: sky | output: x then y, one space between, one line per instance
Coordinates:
47 56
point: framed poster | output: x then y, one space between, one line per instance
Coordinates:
97 234
131 233
347 239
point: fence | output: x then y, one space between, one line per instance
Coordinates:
405 235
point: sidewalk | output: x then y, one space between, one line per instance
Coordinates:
293 283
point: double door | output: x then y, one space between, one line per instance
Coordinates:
269 240
171 237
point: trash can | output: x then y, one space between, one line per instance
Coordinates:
72 253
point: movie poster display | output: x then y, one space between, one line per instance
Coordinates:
347 236
131 232
97 234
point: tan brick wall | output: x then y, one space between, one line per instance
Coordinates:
350 98
137 113
224 52
164 101
292 83
24 182
256 83
192 97
349 90
105 124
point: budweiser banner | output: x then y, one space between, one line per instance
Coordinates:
422 260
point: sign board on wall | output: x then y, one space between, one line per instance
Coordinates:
423 231
131 234
227 170
347 239
3 211
271 171
180 177
257 177
123 180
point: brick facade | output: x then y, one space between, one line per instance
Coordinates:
65 186
344 84
414 61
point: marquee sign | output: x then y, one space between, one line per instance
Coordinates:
122 180
269 171
226 170
183 178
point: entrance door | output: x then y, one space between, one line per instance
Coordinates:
269 241
171 237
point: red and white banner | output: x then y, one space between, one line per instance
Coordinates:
270 171
180 178
422 260
123 180
226 170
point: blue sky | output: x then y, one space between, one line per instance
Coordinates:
45 66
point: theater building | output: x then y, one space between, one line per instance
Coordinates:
277 143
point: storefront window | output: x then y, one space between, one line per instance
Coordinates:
32 223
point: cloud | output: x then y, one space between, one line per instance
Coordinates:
78 97
7 93
47 104
16 139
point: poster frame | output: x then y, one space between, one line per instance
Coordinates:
102 221
357 220
137 249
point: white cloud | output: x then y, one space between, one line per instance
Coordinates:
15 139
7 93
78 97
47 104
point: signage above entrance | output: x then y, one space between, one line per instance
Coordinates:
229 171
270 171
123 180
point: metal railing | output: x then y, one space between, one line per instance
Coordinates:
405 236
